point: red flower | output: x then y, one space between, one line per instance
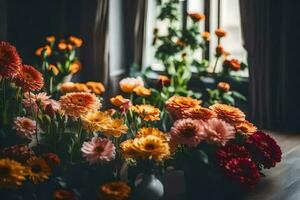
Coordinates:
29 79
52 159
263 149
64 194
230 151
242 170
10 60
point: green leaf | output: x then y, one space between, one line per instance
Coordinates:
238 95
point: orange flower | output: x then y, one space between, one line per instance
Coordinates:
220 33
233 64
10 60
219 50
119 100
176 105
142 91
163 81
69 47
196 16
77 104
75 67
29 79
62 45
181 43
77 42
115 128
228 113
96 87
63 194
46 48
145 131
199 113
73 87
206 36
223 86
129 84
50 39
146 112
53 69
117 190
246 127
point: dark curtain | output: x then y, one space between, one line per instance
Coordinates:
135 12
271 37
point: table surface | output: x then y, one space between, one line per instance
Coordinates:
280 183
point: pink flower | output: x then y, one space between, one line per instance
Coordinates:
187 131
31 102
24 127
98 149
218 131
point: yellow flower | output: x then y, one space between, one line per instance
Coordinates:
176 105
54 69
96 87
12 173
39 170
145 131
94 122
50 39
146 112
73 87
129 84
142 91
128 151
47 49
115 128
246 127
75 67
118 100
117 190
77 42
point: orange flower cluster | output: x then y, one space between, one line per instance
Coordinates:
94 87
147 112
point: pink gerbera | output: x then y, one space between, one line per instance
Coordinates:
218 131
25 127
29 79
187 131
10 60
30 101
98 149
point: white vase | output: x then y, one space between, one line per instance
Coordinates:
148 187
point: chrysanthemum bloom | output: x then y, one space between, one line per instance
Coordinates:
51 159
232 64
119 100
230 114
151 131
223 86
128 151
199 113
220 33
196 16
116 190
96 87
94 122
142 91
176 105
147 112
46 48
10 60
152 147
77 42
163 81
29 79
206 36
246 127
68 87
187 131
19 153
98 150
263 149
52 68
64 194
115 128
50 39
77 104
75 67
129 84
242 170
218 131
229 151
25 127
39 170
12 173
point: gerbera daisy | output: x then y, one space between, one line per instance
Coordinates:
10 60
230 151
116 190
39 170
199 113
115 128
24 127
147 112
176 105
94 122
218 131
98 150
151 131
64 194
77 104
187 131
68 87
128 151
96 87
29 79
246 127
31 101
12 173
129 84
19 153
228 113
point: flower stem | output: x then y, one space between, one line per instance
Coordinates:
215 67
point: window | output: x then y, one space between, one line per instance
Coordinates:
228 18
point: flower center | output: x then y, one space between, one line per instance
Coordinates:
4 171
27 76
189 132
36 168
150 146
99 149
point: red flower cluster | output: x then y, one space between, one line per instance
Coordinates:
10 60
236 163
263 149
